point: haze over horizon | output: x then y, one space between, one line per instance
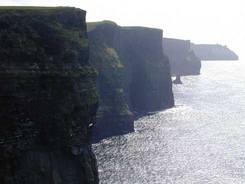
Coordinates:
210 21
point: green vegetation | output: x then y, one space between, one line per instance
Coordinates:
68 37
139 28
133 74
48 96
105 58
110 68
35 8
92 25
112 57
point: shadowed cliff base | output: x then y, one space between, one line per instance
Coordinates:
47 97
133 75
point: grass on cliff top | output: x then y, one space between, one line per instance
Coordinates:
92 25
31 8
34 8
140 28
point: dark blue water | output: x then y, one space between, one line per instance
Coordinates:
200 141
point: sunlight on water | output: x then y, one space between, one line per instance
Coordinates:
200 141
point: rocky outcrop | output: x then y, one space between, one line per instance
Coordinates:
133 75
177 80
48 97
214 52
182 59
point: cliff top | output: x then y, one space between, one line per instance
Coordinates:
209 46
41 35
140 28
37 9
214 52
33 8
92 25
175 39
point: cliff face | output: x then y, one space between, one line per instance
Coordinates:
182 59
133 75
113 112
47 97
214 52
149 87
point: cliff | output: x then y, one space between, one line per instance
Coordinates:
133 75
214 52
48 97
114 116
182 59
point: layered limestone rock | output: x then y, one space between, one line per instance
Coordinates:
48 97
182 59
133 74
214 52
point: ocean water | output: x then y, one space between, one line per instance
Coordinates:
200 141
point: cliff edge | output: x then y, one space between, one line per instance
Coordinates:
133 75
214 52
48 97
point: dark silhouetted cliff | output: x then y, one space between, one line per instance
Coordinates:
182 59
48 97
214 52
133 75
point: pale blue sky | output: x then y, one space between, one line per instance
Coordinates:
202 21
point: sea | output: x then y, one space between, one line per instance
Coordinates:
199 141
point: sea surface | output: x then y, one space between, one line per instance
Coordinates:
200 141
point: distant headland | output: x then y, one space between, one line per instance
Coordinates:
214 52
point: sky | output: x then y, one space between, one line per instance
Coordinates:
201 21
